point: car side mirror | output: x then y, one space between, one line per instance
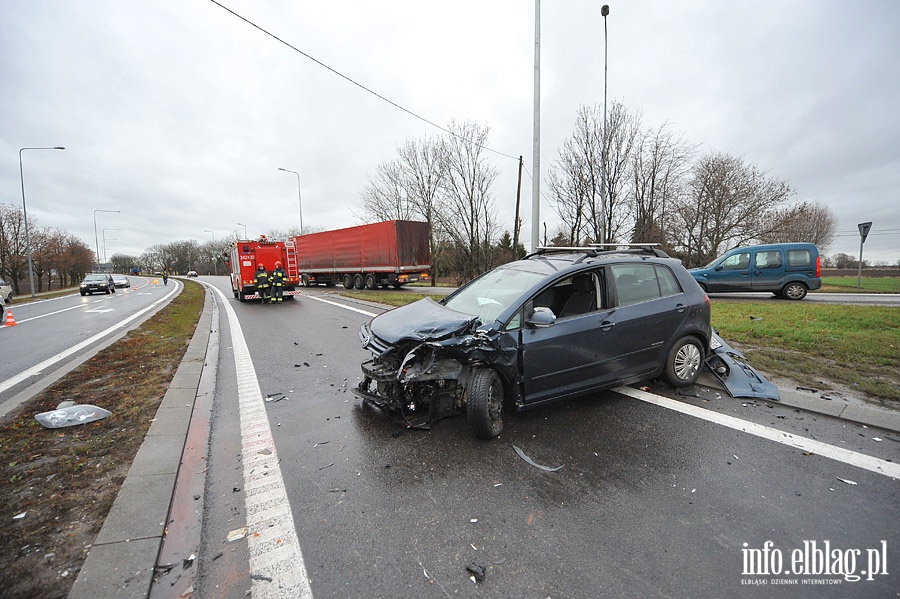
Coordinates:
718 268
541 318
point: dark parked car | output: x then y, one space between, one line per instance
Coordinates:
560 323
97 284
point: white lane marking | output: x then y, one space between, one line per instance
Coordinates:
344 306
49 314
273 543
839 454
34 370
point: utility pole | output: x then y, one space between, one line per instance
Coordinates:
518 199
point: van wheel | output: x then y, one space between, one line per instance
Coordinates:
484 403
347 282
684 362
371 283
794 291
358 281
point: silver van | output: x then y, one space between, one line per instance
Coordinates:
785 269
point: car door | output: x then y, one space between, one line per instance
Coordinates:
731 274
572 355
768 270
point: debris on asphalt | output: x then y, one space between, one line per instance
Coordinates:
236 535
533 463
261 577
187 563
844 480
70 415
320 443
476 571
326 466
275 396
879 439
810 389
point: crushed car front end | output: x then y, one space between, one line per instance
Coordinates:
422 358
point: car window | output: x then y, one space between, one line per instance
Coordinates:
636 283
770 259
799 258
489 295
739 261
572 296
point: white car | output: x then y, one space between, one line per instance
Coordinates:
5 291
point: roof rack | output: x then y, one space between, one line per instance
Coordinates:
595 249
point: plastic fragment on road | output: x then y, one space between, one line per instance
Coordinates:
236 535
844 480
477 572
71 415
533 463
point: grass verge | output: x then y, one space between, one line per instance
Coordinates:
65 480
858 346
866 285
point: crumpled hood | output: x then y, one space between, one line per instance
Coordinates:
424 320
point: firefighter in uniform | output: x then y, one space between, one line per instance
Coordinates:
278 277
263 282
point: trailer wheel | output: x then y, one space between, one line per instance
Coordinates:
371 283
358 281
347 280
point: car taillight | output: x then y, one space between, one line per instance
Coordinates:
706 299
818 266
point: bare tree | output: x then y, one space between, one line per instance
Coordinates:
469 220
660 165
13 261
621 135
386 197
728 204
807 221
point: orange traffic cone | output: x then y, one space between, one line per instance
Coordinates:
10 321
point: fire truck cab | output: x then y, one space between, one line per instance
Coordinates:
245 256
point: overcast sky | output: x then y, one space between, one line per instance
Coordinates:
178 114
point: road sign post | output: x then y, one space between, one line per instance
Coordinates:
863 233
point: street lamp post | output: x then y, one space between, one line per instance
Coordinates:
96 239
604 10
104 242
245 229
215 260
299 196
25 214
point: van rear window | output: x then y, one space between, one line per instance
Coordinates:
799 258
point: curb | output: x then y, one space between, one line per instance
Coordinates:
122 559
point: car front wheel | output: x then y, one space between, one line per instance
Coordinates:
794 291
684 362
484 405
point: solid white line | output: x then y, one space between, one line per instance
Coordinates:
272 543
344 306
34 370
839 454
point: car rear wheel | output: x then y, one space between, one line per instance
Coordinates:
484 403
684 362
794 291
347 281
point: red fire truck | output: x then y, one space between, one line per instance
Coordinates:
245 256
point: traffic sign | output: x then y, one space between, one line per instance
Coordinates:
864 230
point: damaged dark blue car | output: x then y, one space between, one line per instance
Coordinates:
560 323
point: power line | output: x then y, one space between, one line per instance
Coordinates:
356 83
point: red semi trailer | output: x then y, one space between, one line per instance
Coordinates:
390 253
244 256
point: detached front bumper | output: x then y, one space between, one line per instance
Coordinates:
740 379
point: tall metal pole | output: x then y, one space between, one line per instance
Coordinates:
215 261
299 196
604 10
97 239
536 141
25 214
245 229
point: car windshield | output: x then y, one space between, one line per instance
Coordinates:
96 278
488 296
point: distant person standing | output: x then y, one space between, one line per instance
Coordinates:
263 282
278 278
165 278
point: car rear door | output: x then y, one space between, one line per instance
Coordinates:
768 270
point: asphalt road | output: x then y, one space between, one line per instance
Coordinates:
649 501
52 336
